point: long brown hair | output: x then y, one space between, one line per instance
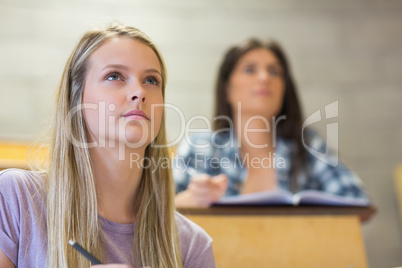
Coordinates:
72 211
291 127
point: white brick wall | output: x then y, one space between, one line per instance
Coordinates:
348 50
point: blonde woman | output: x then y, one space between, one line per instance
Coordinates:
106 185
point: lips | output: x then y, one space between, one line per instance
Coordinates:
263 92
135 113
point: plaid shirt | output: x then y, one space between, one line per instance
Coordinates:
218 153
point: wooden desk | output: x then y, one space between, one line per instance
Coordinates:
284 236
17 155
13 155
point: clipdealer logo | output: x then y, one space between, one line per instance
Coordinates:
331 111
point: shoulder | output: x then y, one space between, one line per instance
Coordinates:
309 138
190 232
13 179
18 186
22 209
195 243
204 141
311 141
194 142
314 141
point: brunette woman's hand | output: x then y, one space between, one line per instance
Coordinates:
202 191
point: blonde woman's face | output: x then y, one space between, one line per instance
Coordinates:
123 94
257 83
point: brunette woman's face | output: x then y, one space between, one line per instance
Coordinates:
123 84
257 83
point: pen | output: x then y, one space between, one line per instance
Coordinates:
191 171
84 252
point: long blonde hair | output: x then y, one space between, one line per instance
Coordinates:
72 211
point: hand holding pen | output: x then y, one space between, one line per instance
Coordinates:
203 190
113 266
94 260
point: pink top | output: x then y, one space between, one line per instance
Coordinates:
23 234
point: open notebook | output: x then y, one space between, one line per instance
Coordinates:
280 197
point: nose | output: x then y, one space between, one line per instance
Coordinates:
137 97
263 75
137 94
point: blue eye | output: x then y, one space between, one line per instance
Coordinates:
114 76
274 71
152 80
249 70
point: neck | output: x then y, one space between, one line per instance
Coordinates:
117 181
254 134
